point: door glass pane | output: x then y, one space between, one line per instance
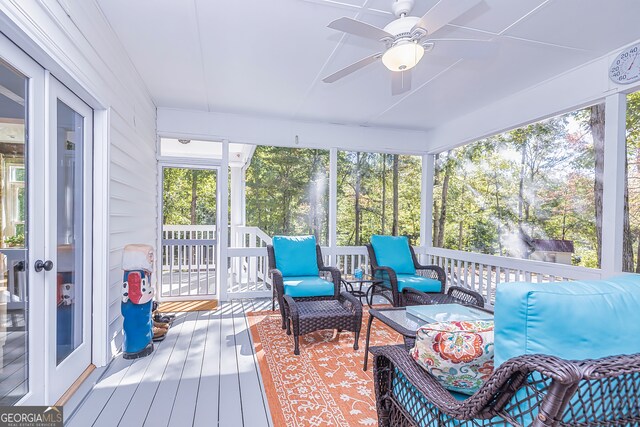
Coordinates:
189 232
70 239
13 226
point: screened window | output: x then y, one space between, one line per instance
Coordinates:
287 191
528 193
378 193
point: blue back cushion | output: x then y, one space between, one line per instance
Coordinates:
393 251
296 255
571 320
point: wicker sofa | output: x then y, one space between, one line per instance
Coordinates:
567 354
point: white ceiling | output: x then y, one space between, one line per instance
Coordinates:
269 57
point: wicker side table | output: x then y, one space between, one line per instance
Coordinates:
343 314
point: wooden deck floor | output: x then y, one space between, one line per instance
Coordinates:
203 374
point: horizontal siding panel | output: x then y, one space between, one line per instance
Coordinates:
135 179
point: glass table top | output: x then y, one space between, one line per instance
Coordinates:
413 317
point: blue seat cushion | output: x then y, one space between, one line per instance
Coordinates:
393 252
420 283
307 286
571 320
295 255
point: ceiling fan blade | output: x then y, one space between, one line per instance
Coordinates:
463 48
358 28
442 13
400 82
352 68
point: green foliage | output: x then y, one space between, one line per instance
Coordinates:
368 177
633 173
14 241
288 191
535 182
184 204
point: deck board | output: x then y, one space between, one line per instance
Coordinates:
209 386
184 405
137 408
204 373
229 396
253 413
162 405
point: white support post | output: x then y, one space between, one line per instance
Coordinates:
236 203
223 223
426 201
333 204
613 183
243 199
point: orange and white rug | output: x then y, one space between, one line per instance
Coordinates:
325 385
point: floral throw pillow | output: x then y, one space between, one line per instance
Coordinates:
458 354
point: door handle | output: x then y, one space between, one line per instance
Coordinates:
46 265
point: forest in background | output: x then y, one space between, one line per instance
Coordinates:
535 182
540 181
288 193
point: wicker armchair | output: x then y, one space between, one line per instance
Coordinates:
390 276
589 374
332 274
529 390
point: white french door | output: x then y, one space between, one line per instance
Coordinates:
68 214
45 232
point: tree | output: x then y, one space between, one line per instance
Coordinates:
596 125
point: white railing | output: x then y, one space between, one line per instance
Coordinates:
482 273
188 260
249 237
347 258
248 265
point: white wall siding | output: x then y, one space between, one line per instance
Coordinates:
79 47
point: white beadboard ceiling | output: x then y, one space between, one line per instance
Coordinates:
268 58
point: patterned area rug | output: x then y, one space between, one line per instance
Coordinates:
325 385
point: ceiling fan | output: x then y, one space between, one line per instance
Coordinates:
407 38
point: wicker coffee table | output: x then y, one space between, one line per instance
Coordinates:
343 314
403 323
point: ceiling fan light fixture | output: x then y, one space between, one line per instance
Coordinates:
402 57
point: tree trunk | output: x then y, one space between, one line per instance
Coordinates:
443 202
357 204
314 197
523 159
627 243
436 211
194 196
596 124
499 213
395 227
384 192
